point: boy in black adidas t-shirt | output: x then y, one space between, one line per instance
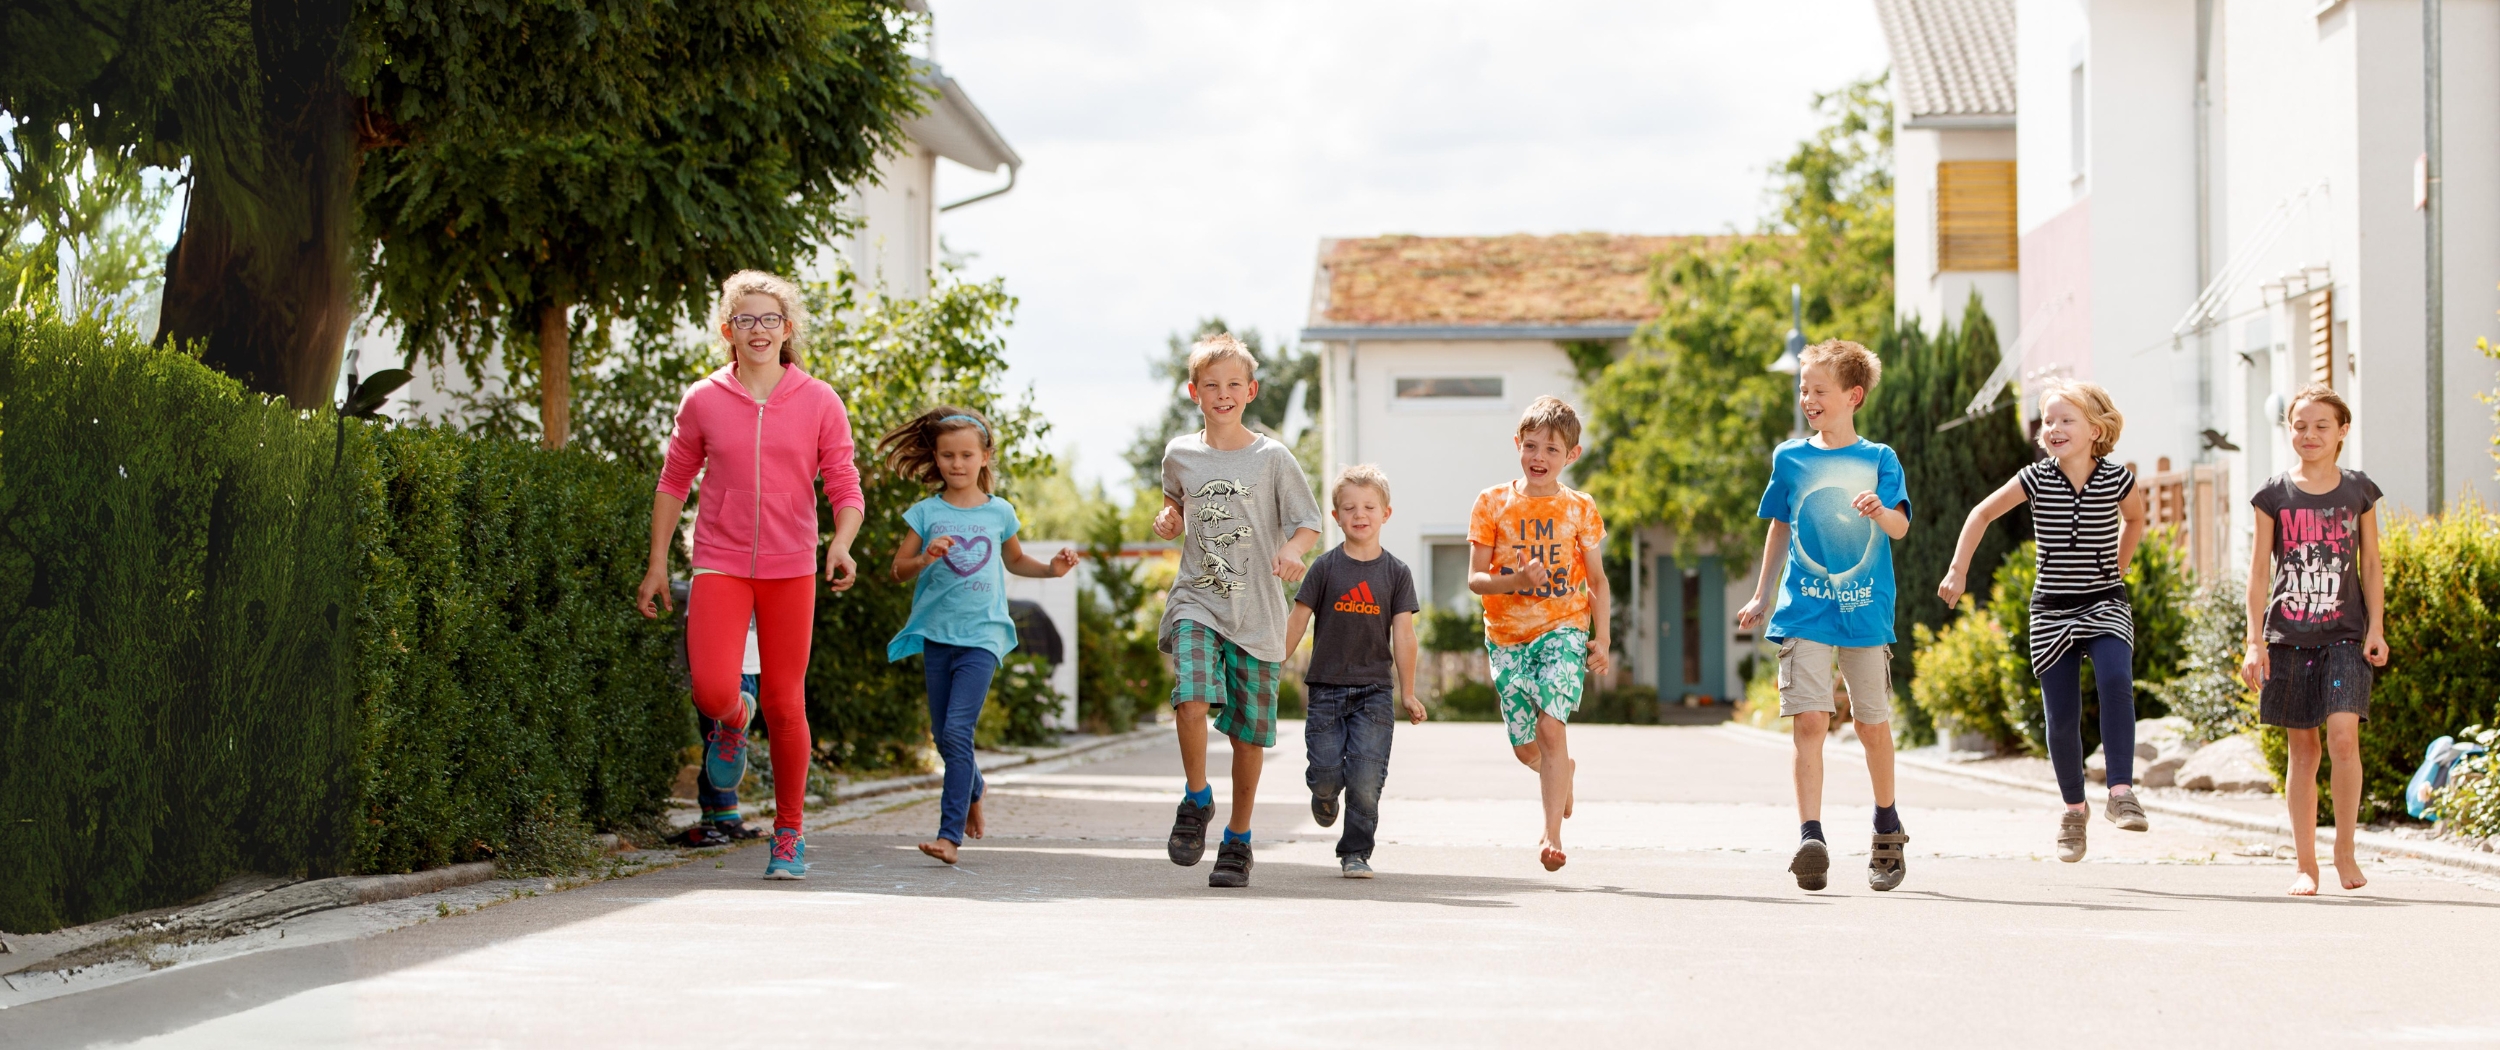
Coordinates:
1359 603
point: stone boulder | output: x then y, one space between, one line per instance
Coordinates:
2161 746
2229 764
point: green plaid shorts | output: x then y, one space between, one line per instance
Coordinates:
1539 676
1240 689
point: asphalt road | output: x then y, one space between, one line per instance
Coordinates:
1674 924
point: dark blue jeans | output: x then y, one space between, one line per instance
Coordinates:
1347 730
959 683
2061 694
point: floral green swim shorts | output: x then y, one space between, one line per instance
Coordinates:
1540 675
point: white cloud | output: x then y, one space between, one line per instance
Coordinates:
1184 159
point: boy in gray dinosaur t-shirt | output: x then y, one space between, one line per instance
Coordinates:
1359 602
1249 519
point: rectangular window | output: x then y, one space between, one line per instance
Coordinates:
1975 216
1478 387
1449 575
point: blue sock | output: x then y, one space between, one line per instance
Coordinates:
1231 836
1204 796
1813 829
1887 821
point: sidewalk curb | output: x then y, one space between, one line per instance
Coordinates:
2374 841
923 781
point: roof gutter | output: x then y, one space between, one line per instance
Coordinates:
1448 333
1961 121
984 195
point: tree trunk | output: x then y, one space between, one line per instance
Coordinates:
263 274
555 374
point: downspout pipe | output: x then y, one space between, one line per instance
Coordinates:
984 195
2434 270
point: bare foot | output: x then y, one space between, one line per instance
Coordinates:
2304 884
1550 856
1569 797
939 848
2350 870
972 820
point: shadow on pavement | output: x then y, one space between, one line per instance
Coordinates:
2326 899
2069 905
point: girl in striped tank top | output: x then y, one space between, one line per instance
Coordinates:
2088 518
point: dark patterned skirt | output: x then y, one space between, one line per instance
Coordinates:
2304 685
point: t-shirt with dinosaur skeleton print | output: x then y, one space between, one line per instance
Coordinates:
1239 506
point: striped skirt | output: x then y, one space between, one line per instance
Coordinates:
2058 622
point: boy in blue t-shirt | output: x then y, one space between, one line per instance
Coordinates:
1836 501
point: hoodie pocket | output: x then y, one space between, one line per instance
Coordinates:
785 523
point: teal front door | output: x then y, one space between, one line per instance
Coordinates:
1692 628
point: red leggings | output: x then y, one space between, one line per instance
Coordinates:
716 646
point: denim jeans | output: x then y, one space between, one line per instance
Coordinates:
1347 730
959 683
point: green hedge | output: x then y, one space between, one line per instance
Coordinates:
235 637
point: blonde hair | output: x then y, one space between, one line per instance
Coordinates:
1363 474
2093 402
1852 364
756 282
2324 395
1220 346
1551 413
910 450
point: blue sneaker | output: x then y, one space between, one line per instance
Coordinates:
789 856
725 751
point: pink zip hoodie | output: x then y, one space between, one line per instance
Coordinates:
758 515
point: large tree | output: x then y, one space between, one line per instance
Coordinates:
493 163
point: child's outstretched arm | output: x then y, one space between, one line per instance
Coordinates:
2373 591
1023 564
1402 650
2253 669
1601 616
1774 558
2007 497
910 557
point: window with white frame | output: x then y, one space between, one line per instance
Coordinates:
1447 393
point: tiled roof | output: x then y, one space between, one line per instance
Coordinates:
1950 58
1520 279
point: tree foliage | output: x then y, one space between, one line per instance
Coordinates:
1682 426
98 207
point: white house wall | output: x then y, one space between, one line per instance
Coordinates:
1919 291
895 245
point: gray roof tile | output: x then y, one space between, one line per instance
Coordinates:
1950 58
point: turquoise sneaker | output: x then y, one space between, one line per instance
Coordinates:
725 751
789 855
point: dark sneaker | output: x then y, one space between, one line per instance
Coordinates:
2127 813
1189 833
736 830
1232 866
1324 810
1355 867
1811 864
1885 866
701 836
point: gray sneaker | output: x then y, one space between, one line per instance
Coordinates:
1355 867
2127 813
1885 866
2070 828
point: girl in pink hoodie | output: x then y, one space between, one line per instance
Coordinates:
760 431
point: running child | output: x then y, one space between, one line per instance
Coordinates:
1835 501
959 624
1532 550
1359 603
760 431
2087 516
1248 515
2316 598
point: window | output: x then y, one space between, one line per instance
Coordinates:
2079 136
1475 387
1975 215
1449 574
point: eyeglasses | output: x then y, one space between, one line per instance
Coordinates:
747 322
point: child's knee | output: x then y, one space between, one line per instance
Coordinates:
2301 744
2343 736
1810 725
1529 754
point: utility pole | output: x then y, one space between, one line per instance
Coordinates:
1791 361
2434 270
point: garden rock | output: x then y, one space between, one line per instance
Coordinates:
2161 746
2229 764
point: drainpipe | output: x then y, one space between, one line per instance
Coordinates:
2204 217
2434 377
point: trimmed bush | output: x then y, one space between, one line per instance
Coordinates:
238 637
2443 640
2207 690
1020 706
1970 676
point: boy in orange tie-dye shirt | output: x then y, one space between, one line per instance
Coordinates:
1533 550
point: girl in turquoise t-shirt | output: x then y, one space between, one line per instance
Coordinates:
959 624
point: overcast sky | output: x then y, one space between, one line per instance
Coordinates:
1183 159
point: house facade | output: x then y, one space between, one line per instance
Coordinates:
1953 159
1431 347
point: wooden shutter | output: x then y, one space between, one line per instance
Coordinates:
1975 215
2322 336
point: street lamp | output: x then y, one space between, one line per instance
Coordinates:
1790 362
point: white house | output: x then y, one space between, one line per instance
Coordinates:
1953 159
1430 349
2221 201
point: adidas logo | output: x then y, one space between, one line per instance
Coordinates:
1359 600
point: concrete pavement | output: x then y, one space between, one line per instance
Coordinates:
1674 923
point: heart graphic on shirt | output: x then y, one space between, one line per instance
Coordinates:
967 556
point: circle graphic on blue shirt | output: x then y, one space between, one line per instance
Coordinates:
1842 541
